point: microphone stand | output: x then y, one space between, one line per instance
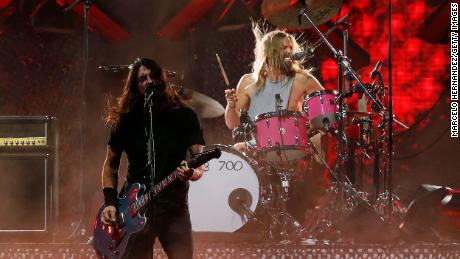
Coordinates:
83 107
389 170
151 142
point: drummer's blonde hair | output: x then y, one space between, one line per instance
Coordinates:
269 52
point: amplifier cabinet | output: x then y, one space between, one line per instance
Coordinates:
28 179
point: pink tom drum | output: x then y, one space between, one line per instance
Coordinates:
320 107
282 136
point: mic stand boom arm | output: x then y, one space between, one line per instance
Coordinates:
343 61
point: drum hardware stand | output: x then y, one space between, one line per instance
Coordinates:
386 203
280 221
286 222
389 169
344 68
285 177
266 204
361 145
278 103
337 187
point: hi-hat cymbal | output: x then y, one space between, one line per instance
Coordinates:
284 13
205 106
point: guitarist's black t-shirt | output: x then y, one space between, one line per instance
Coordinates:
174 132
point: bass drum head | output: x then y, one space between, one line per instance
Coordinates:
214 199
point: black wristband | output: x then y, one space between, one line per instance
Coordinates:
110 196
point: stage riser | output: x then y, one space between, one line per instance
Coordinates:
249 251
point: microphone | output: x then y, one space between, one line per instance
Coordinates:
246 120
246 126
171 73
239 201
149 92
344 19
238 134
309 51
376 69
306 53
150 87
278 102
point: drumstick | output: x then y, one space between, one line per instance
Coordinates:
222 70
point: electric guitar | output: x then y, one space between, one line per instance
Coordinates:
111 241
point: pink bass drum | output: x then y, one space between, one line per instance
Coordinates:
282 136
320 108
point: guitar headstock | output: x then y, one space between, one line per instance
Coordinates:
210 153
203 157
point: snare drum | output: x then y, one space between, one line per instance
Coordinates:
320 107
282 136
215 199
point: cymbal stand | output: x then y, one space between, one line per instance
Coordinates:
343 61
345 185
344 66
344 84
389 171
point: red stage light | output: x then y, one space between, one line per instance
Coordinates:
420 69
4 3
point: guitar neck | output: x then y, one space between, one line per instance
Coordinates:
193 163
163 184
147 197
196 161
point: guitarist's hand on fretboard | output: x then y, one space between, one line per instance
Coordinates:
109 215
185 173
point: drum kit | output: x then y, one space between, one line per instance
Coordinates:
241 188
254 186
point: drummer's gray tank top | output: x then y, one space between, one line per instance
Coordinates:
264 100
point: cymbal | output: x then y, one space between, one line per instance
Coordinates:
284 13
205 106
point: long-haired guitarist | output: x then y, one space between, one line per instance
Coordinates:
177 135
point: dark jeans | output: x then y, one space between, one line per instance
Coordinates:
174 231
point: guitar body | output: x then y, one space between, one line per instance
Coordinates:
112 242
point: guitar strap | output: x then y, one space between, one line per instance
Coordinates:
123 188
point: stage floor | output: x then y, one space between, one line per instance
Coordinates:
242 249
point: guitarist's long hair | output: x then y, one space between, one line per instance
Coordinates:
131 100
